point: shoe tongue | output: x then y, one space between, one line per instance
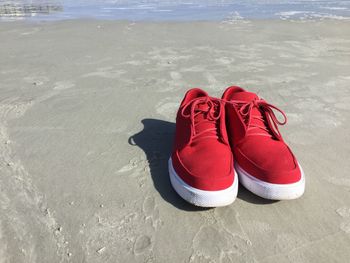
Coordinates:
202 120
248 97
244 96
202 107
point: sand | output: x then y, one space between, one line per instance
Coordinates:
87 114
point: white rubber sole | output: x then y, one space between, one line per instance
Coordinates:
269 190
199 197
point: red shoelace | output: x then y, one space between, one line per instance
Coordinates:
267 120
210 110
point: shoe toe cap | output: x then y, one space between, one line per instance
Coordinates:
205 168
272 162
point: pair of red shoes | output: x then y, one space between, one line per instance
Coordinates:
215 138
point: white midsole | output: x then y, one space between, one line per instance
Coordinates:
201 197
269 190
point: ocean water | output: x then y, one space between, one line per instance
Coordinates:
174 10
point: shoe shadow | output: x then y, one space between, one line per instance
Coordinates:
156 141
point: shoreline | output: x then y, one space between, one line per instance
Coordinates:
30 20
193 10
240 22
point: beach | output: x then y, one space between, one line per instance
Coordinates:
88 110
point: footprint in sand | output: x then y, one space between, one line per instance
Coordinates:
175 75
142 243
31 32
175 83
148 206
228 247
151 212
133 164
225 61
344 212
62 85
106 72
36 80
286 242
137 167
121 233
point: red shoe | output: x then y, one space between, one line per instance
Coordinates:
265 164
201 165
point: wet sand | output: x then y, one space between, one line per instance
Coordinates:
86 124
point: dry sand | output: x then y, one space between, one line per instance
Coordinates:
86 124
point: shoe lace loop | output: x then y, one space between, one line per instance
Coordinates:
211 109
269 123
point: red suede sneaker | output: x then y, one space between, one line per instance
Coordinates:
265 164
201 165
